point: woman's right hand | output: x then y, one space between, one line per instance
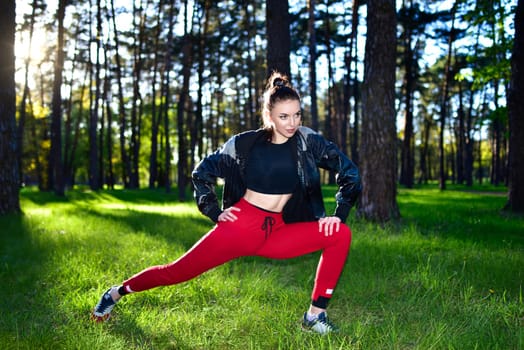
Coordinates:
228 214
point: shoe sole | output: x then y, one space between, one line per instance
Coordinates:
100 319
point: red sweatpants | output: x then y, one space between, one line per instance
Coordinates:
256 232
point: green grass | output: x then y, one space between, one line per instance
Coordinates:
449 275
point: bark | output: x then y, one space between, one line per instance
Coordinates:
181 130
94 149
126 163
378 151
407 169
516 117
166 94
155 115
56 171
313 65
278 36
9 167
444 103
355 139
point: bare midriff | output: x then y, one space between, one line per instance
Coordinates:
270 202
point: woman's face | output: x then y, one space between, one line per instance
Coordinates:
285 117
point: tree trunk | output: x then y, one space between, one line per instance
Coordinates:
126 163
136 104
444 103
9 168
94 149
56 171
461 138
379 167
181 130
516 117
312 64
407 162
110 179
278 36
348 59
155 115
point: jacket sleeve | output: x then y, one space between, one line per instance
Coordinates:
347 175
204 177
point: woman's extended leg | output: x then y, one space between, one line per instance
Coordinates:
226 241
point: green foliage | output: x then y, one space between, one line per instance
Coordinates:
448 276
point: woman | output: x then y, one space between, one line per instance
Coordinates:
272 205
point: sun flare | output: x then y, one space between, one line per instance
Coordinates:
34 49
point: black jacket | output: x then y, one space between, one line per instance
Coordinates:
306 203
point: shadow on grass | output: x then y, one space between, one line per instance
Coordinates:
22 274
141 196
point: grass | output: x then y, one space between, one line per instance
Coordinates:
449 275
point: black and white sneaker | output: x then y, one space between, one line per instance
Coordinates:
320 324
102 311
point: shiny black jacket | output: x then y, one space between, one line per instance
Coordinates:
306 203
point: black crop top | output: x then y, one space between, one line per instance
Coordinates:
271 168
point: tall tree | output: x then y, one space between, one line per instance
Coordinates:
516 117
312 64
56 171
140 15
444 100
155 116
184 92
354 82
278 36
9 169
95 182
126 162
378 149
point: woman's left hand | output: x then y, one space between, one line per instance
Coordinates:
328 223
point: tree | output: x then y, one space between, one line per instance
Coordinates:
184 92
94 149
56 170
312 64
9 169
445 100
278 36
378 149
516 117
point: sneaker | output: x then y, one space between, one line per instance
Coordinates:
320 324
102 311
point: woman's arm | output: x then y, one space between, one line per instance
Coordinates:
205 175
347 178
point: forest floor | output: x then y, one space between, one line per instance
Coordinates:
447 275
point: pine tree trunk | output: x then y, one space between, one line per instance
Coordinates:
9 168
126 163
56 171
278 36
378 151
516 117
312 64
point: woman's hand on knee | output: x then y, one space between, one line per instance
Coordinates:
327 224
228 214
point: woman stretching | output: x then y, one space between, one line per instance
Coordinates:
272 206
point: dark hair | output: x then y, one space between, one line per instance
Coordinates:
278 88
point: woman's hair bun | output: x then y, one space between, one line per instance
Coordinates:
279 82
